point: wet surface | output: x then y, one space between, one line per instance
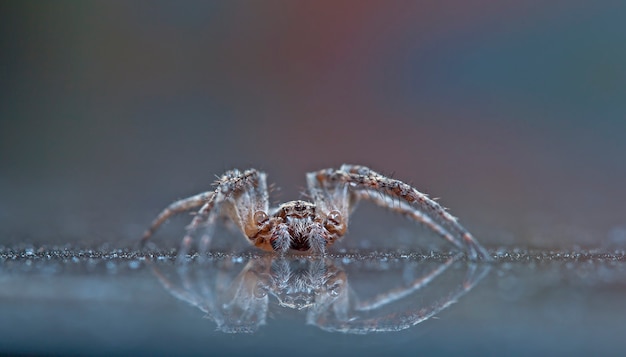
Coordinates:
122 301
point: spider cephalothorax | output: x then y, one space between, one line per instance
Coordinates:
311 226
299 226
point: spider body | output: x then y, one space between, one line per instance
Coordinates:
310 226
299 226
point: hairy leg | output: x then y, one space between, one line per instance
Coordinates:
238 195
241 196
399 196
332 202
179 206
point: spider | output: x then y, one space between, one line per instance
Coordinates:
310 226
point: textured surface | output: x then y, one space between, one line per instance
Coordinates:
100 302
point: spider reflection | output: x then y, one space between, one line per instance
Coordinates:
342 294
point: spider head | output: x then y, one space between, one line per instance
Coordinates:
298 226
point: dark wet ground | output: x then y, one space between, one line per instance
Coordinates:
64 301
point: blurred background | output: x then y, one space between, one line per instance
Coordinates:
513 112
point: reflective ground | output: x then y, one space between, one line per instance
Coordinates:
63 301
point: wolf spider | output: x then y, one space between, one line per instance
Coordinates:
310 226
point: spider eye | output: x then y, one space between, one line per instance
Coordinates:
335 217
260 217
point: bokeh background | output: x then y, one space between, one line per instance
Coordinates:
513 112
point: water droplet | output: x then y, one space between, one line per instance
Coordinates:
134 264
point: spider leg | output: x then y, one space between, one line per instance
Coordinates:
329 196
206 217
332 201
364 183
179 206
407 210
239 196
